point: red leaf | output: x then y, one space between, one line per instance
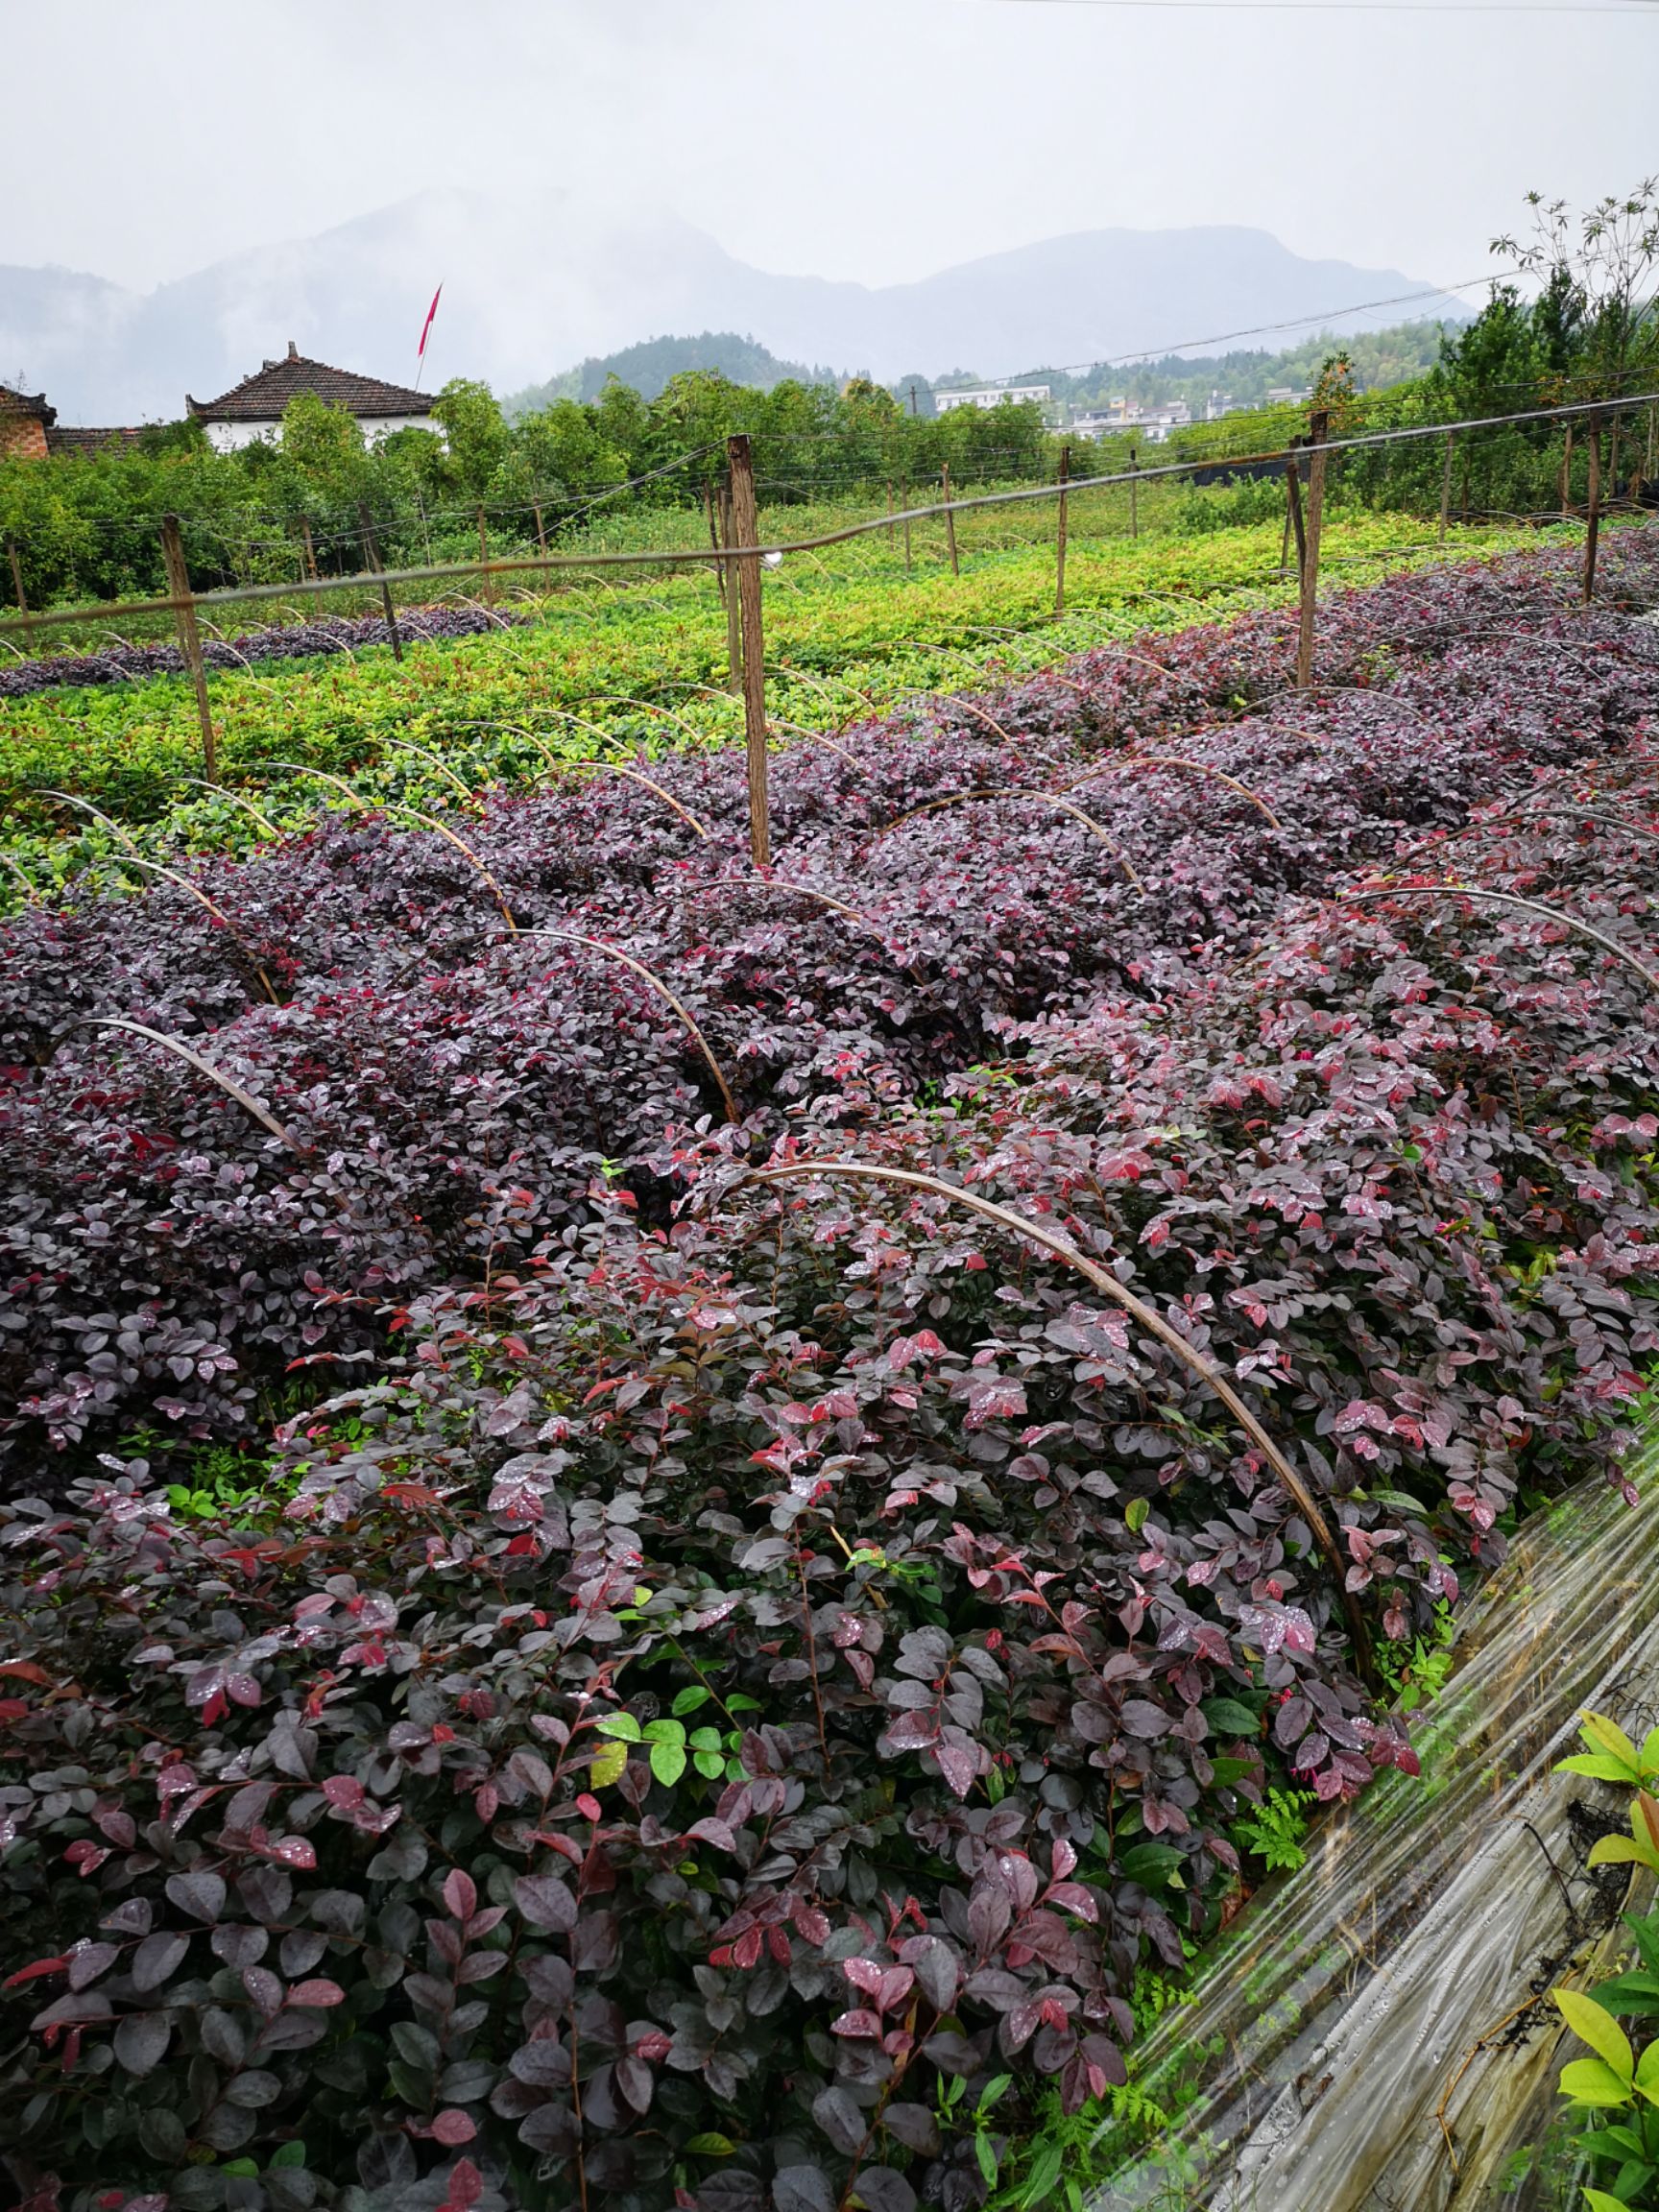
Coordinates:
461 1895
30 1973
466 2187
453 2129
318 1994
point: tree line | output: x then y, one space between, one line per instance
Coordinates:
86 526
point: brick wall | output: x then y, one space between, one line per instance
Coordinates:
22 437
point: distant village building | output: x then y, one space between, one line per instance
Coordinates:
30 430
990 396
1152 424
253 408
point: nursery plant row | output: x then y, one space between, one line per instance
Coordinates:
664 1522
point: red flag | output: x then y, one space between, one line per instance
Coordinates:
426 327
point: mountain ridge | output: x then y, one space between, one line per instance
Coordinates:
536 284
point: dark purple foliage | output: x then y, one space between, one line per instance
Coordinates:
751 1653
277 641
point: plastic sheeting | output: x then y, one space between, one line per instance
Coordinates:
1375 2034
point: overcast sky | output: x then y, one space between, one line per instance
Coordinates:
877 139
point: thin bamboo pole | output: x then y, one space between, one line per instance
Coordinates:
747 527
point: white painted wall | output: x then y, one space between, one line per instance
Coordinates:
1000 395
231 437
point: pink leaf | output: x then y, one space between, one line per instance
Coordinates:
319 1995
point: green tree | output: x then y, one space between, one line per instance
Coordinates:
476 433
322 448
1598 308
561 453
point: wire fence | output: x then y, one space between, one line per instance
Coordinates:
1232 462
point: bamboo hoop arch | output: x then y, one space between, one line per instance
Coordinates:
1178 760
1375 695
134 857
236 799
85 806
774 721
791 890
1520 817
218 913
413 814
431 822
226 1083
818 737
323 775
793 675
30 890
1145 661
637 776
616 952
408 745
1146 1315
650 707
584 722
1504 899
1018 791
959 700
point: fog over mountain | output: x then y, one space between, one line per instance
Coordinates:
533 284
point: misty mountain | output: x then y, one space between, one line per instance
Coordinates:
535 285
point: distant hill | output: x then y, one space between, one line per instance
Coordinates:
651 364
534 282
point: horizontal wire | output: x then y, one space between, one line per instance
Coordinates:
722 556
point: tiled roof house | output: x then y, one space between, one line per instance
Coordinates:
253 408
30 430
25 419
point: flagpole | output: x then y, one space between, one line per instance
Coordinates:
425 333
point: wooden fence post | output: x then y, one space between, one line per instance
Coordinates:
949 520
1446 487
1134 496
713 538
1285 533
892 534
1293 513
540 527
189 636
486 587
1613 459
374 554
1059 534
1316 432
733 614
905 496
11 555
1566 501
1593 523
746 522
310 549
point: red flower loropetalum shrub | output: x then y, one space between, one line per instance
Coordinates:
733 1679
451 1091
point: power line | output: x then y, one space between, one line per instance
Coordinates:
1258 329
1628 8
